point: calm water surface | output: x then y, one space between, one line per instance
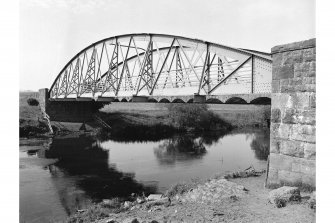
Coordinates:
84 170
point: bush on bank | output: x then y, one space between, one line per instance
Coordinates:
32 102
195 117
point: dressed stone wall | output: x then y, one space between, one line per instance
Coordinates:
292 146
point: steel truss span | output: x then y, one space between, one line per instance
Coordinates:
162 65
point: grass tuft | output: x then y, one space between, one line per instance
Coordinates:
181 188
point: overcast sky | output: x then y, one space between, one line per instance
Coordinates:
53 31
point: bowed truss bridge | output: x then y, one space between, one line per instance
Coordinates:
157 65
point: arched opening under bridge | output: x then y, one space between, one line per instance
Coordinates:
236 100
164 100
152 100
213 101
178 100
261 101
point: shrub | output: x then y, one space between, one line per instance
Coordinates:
32 102
194 116
186 115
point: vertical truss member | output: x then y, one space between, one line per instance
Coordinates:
146 73
220 70
112 76
88 81
180 81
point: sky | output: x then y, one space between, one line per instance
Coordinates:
53 31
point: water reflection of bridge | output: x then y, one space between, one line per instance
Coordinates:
83 173
193 147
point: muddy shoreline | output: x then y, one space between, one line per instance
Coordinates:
241 199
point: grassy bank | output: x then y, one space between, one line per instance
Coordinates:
153 125
238 115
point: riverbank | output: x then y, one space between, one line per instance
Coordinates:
213 200
195 119
238 115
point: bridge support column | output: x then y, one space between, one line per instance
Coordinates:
199 98
105 99
292 136
140 98
43 98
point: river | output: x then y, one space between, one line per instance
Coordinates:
61 175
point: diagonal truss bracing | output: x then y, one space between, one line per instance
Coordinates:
156 64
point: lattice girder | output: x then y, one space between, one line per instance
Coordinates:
156 64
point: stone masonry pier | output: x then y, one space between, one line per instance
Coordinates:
292 146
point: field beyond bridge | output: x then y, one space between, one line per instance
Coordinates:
238 115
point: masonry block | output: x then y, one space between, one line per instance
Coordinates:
288 116
282 72
199 98
277 59
309 151
292 148
309 55
275 86
292 57
298 116
284 82
281 131
297 100
274 145
280 161
306 84
289 177
275 115
137 98
272 176
304 166
301 100
305 69
308 180
305 133
279 100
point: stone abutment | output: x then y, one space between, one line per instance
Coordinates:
292 146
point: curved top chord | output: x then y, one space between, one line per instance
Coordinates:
159 64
